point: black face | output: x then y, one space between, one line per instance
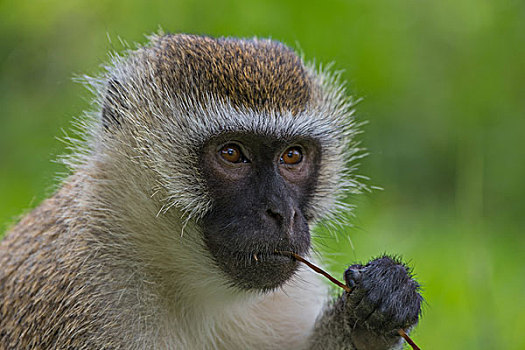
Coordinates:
260 188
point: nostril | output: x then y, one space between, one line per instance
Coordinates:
274 215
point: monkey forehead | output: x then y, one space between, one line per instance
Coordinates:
262 75
220 117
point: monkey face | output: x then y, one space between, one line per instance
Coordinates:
260 187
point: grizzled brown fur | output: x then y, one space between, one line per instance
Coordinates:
262 75
54 293
41 286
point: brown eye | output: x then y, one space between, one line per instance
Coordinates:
292 156
231 153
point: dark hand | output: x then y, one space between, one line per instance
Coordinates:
383 300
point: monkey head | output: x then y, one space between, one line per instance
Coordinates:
242 138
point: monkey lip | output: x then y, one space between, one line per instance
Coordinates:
274 257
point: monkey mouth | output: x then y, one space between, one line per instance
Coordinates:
262 258
273 258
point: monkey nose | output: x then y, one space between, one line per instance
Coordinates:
284 216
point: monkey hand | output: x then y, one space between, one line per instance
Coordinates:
384 299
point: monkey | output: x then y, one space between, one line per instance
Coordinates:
201 159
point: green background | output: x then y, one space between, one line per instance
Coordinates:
443 88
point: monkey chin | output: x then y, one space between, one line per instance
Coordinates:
265 271
257 271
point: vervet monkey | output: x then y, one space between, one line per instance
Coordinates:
205 156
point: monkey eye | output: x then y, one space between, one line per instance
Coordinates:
232 153
292 155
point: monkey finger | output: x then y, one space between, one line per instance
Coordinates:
380 319
353 276
363 309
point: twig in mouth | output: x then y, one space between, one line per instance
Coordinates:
317 269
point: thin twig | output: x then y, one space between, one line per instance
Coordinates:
408 339
317 269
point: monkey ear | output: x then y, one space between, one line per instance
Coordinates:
114 105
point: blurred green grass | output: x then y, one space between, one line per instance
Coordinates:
443 87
